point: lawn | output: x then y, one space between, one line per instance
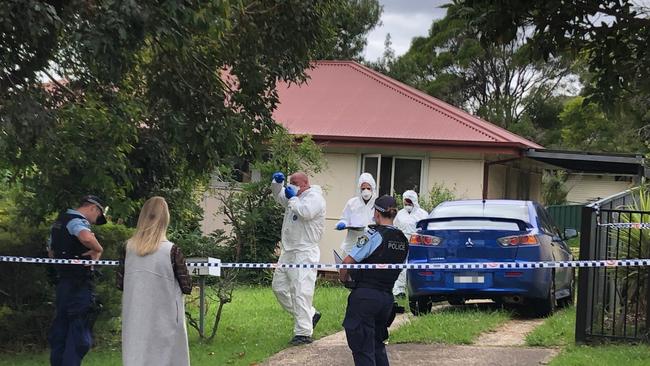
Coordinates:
556 331
559 331
454 325
253 327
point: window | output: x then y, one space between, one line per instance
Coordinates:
478 209
473 225
394 174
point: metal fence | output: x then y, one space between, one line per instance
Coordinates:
566 216
613 303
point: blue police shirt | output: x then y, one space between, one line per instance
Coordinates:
74 226
366 244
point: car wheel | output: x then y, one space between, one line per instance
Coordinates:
545 307
420 305
456 301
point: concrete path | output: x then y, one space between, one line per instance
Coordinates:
501 347
512 333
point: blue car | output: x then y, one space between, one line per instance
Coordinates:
490 231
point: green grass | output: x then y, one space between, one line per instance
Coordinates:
253 327
559 331
450 325
574 242
623 355
556 331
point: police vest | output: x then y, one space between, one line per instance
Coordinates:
68 246
393 249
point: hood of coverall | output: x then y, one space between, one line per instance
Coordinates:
367 178
411 195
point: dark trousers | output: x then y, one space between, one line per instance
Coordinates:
365 323
70 334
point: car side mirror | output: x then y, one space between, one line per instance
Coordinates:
570 233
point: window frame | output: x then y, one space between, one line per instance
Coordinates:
422 160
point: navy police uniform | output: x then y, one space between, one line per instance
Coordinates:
370 304
70 335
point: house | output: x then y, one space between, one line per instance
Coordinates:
368 122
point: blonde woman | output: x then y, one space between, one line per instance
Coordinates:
154 278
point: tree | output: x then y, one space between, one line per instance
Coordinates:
143 97
349 23
497 81
585 126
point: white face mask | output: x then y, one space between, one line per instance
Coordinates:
366 194
408 208
295 187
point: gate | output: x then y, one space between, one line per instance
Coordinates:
613 302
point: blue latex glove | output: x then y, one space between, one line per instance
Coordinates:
289 192
278 177
340 225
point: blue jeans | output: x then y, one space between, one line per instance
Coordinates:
70 335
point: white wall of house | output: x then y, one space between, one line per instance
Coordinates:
213 219
497 181
583 188
338 181
463 176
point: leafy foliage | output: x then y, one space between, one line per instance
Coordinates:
554 191
146 97
349 23
611 35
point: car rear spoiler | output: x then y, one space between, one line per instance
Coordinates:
523 225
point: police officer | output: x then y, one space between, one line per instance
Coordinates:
72 238
370 304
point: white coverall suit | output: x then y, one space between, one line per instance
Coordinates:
406 222
302 228
358 213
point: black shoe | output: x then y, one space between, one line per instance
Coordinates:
315 319
300 340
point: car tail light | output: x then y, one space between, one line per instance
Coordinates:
513 241
420 239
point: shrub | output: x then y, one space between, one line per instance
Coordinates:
553 190
27 292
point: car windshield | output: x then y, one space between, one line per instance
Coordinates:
517 211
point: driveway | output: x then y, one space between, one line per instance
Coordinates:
501 347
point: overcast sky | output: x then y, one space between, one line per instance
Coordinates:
403 19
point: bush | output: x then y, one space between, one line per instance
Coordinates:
554 191
27 292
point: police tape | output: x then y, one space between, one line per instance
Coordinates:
626 225
438 266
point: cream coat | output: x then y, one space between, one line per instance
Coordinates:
153 311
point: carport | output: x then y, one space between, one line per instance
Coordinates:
585 162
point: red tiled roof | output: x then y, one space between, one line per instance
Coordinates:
345 101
